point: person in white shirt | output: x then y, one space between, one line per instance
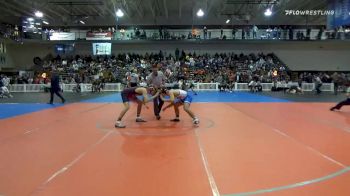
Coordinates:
134 79
6 81
255 30
177 98
318 84
4 92
140 95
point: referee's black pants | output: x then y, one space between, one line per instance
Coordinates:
57 92
158 104
341 104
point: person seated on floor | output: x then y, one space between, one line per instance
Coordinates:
4 91
96 86
222 83
223 86
251 85
294 90
258 86
255 86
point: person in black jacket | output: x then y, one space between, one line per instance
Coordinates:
55 87
345 102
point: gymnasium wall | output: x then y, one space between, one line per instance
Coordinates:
315 55
341 16
319 60
6 61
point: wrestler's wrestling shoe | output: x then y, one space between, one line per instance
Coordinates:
119 124
140 120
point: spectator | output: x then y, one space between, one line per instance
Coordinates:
221 33
255 30
290 32
335 79
318 84
234 33
4 92
205 32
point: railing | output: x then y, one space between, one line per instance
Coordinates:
117 87
154 34
207 86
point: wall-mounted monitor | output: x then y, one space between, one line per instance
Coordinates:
64 48
102 48
32 28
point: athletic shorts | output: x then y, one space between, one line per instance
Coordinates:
127 97
187 99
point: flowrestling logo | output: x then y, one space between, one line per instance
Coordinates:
309 12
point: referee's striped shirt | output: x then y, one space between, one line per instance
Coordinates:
156 81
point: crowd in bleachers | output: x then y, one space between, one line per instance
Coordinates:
9 31
205 68
223 68
281 32
326 77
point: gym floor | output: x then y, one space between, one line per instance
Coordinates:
267 143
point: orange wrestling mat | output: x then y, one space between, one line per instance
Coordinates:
238 149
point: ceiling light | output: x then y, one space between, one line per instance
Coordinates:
82 22
227 21
39 14
119 13
30 19
45 22
200 13
268 12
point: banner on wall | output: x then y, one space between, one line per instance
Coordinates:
2 60
26 73
64 48
99 36
62 36
341 15
2 48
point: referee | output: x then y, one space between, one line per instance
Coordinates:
55 87
345 102
157 80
